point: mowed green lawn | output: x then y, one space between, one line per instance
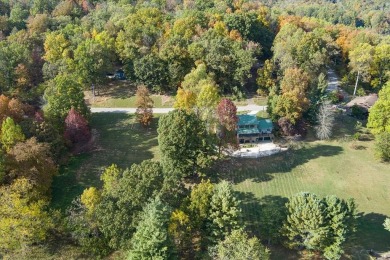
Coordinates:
340 167
119 140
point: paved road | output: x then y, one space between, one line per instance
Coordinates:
131 110
333 81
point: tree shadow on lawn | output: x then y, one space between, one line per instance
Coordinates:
371 233
237 170
254 219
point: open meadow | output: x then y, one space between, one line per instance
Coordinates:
343 167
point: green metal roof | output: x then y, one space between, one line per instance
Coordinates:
247 120
248 131
262 125
265 124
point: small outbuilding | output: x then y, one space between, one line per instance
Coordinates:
364 102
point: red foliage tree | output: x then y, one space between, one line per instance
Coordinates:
227 117
227 114
76 128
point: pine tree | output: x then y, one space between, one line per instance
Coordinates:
306 226
151 240
224 213
238 246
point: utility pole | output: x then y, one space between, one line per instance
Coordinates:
93 93
357 79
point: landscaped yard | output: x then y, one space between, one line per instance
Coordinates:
340 167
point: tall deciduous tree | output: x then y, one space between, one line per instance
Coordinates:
227 117
227 114
11 133
24 219
151 239
76 128
379 117
382 146
183 142
32 160
62 94
144 103
325 119
293 101
123 197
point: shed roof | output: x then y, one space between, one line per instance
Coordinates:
365 101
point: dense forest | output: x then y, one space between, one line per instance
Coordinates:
206 53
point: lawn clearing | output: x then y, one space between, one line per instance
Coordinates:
119 141
343 167
121 94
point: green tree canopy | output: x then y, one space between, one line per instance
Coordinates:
11 133
237 245
183 142
379 117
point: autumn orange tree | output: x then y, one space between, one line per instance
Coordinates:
144 103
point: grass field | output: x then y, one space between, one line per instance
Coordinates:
119 141
340 167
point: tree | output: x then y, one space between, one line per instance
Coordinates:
305 227
238 245
183 143
81 222
227 114
24 219
325 119
265 79
76 128
293 101
92 60
361 58
226 131
123 197
207 101
386 224
11 133
382 146
179 229
144 103
379 117
185 100
151 71
62 94
32 160
151 239
224 213
319 224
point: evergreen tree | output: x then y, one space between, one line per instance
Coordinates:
306 226
151 240
238 246
319 224
224 213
